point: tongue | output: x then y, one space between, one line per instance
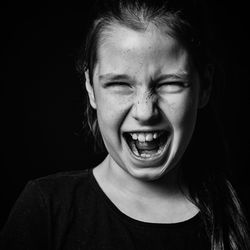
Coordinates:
152 145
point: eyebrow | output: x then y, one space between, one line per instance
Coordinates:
114 77
124 77
177 75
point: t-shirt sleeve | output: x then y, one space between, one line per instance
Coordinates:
28 224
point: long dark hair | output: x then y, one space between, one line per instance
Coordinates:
186 21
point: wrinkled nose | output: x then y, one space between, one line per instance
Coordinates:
145 108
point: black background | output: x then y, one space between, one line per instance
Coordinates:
43 98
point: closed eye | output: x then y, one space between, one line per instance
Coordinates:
173 86
117 84
119 88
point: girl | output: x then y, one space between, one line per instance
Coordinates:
147 71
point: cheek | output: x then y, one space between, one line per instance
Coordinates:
181 109
111 109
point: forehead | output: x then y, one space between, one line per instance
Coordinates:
123 50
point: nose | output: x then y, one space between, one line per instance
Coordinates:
145 108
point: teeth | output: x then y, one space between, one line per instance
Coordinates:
142 137
159 150
145 155
134 136
149 137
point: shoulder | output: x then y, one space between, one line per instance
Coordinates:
57 194
62 184
48 203
63 178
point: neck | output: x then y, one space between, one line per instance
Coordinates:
170 186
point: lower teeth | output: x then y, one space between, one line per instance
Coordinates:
145 155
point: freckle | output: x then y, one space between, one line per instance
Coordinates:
172 106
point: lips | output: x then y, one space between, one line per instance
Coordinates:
147 145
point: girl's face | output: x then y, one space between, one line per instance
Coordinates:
146 94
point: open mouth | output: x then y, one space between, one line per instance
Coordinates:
147 145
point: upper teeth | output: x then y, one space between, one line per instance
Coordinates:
142 137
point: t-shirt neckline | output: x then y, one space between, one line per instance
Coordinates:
115 210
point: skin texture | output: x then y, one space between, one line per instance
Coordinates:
154 87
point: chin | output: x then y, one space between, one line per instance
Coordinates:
149 173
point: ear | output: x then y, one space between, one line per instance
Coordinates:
206 87
90 90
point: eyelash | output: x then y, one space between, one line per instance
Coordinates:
117 84
179 83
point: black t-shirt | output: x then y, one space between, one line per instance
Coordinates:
70 211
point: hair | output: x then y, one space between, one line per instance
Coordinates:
186 22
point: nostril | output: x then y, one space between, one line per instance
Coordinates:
145 112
